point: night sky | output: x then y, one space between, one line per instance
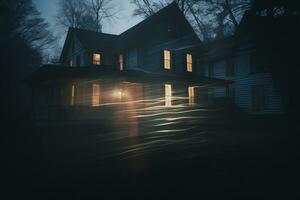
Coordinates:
122 22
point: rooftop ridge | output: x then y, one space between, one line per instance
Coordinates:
85 30
150 17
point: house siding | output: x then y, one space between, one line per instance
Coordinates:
75 51
244 82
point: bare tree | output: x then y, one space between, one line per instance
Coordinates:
71 13
100 10
229 12
35 31
23 36
146 8
89 14
191 9
210 18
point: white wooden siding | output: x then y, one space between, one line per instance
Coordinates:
244 81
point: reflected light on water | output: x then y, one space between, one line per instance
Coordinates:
160 114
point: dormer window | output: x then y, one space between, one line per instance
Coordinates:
167 59
189 62
96 59
121 62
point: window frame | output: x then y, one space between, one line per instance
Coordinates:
189 62
95 62
121 61
168 95
258 98
167 61
211 70
72 103
191 93
96 95
78 60
230 67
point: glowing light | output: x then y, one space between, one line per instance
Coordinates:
73 96
168 95
96 95
121 62
189 62
191 91
120 94
167 59
96 59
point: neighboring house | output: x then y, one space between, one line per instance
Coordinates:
241 59
159 61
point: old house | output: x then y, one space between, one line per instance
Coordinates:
143 65
165 66
241 59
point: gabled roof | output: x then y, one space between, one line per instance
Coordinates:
150 23
90 40
218 49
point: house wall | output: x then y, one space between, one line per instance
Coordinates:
241 91
77 52
54 101
74 52
245 81
151 57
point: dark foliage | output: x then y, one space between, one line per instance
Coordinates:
279 40
88 15
23 35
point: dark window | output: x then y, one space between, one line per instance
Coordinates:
78 61
258 62
230 68
121 62
72 47
231 92
211 70
258 98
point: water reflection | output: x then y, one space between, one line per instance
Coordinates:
134 109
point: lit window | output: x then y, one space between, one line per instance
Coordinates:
121 62
73 95
191 95
168 95
96 95
189 62
167 59
96 59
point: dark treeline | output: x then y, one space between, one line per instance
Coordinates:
214 19
88 14
23 37
278 39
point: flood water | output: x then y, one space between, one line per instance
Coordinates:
150 149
